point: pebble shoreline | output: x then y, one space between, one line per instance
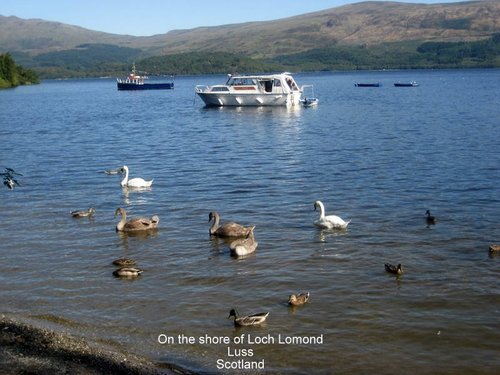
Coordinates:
26 349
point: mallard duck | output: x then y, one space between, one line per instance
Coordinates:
134 182
494 248
135 224
124 262
229 229
249 320
396 270
298 299
83 213
127 272
429 218
244 246
330 221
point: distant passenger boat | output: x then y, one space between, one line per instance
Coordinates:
136 82
374 84
406 84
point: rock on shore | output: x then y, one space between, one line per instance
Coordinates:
25 349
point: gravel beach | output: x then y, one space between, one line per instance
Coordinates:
26 349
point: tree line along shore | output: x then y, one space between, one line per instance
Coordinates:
12 75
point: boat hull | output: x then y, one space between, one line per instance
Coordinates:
397 84
212 99
145 86
376 84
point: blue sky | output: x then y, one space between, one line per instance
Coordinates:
149 17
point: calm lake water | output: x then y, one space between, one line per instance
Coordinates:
377 156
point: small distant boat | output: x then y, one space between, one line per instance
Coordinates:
311 101
406 84
373 84
136 82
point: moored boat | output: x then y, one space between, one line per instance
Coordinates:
372 84
253 90
309 100
406 84
137 82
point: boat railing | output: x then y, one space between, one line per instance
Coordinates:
310 92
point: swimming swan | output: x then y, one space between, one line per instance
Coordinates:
135 224
244 246
134 182
330 221
229 229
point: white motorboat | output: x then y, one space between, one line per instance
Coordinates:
253 90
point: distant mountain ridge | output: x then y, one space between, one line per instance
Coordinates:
369 22
364 23
39 43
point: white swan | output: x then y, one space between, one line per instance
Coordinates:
330 221
134 182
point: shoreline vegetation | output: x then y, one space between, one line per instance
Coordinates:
13 75
28 349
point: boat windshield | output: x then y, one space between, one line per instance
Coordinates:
241 81
291 84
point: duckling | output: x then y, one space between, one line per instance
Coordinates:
127 272
249 320
298 299
229 229
135 224
244 246
89 212
124 262
329 221
396 270
431 220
